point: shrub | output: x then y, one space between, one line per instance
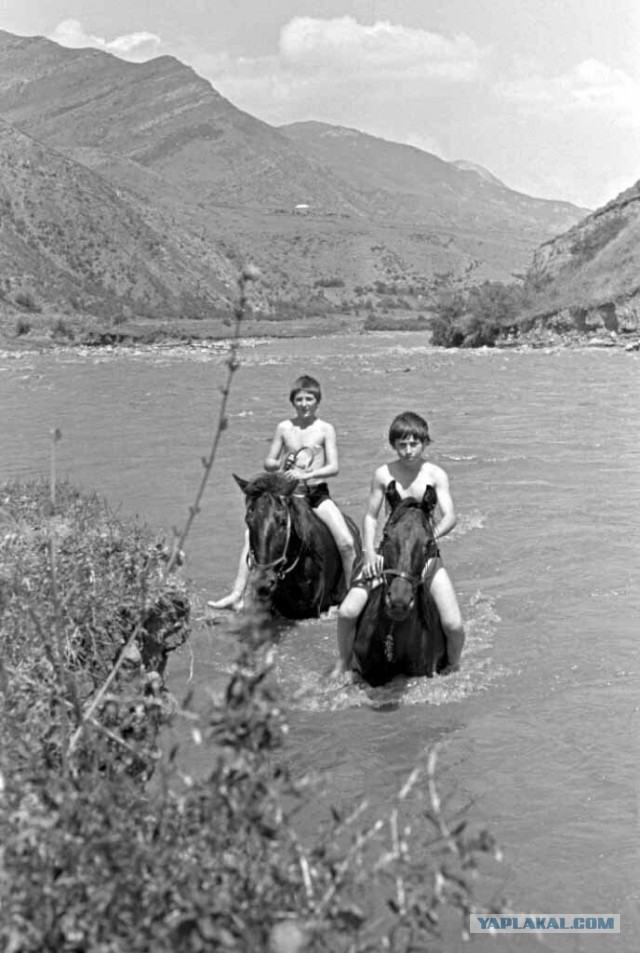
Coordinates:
478 317
22 327
445 333
26 300
63 330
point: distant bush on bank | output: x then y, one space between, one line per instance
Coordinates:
477 317
96 860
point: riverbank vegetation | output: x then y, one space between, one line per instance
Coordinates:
96 859
491 314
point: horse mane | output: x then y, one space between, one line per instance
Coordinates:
277 484
303 526
403 507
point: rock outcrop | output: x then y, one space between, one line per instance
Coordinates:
588 279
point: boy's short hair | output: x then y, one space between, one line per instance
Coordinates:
409 424
305 383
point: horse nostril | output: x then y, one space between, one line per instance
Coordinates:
399 609
264 588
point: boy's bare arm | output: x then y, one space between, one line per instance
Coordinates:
447 512
330 466
372 559
274 456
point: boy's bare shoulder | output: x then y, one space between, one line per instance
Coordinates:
435 473
383 474
284 426
325 426
322 430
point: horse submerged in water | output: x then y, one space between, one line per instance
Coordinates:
399 630
295 562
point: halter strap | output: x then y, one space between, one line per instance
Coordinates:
414 580
280 559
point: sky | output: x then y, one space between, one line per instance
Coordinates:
545 94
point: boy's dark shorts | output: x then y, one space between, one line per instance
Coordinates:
317 494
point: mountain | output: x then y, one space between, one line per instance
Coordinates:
160 115
589 277
192 187
67 237
480 170
406 182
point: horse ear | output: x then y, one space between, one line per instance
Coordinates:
392 495
243 484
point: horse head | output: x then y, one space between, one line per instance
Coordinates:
270 519
405 549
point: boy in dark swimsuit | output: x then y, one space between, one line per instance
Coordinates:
413 476
303 437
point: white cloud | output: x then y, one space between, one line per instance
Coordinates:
339 70
589 86
136 47
350 47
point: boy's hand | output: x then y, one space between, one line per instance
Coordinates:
295 474
373 566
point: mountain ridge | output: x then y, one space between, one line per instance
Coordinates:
216 186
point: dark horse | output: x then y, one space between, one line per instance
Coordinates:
296 563
399 631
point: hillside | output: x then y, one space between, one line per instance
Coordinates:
192 187
480 170
67 238
589 277
403 181
162 116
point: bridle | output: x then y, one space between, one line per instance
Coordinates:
414 580
281 559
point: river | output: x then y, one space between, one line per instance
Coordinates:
539 728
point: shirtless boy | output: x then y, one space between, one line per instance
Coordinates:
412 472
305 431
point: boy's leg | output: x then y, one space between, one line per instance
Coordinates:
441 588
350 608
235 599
335 522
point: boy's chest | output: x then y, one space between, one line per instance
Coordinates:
411 485
298 437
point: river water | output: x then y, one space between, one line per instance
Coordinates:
539 728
